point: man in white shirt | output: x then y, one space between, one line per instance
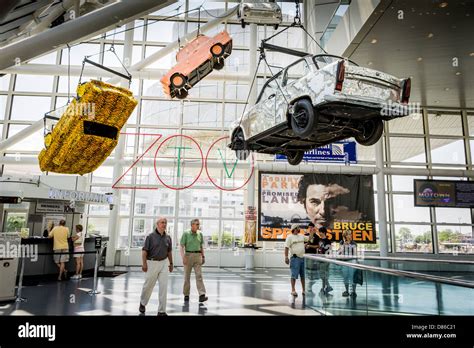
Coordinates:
294 245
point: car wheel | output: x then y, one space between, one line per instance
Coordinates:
217 50
181 93
295 157
219 64
275 27
240 145
242 22
303 119
371 132
177 80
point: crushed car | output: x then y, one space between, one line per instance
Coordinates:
85 136
315 101
195 61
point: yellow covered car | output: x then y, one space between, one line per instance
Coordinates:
88 130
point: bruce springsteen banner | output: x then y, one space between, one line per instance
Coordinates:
338 202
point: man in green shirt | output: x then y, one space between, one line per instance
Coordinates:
192 254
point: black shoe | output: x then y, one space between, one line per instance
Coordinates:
142 308
162 314
186 298
203 298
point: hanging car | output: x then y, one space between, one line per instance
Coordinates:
88 130
195 61
318 100
259 12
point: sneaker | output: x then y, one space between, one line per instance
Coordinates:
142 308
329 288
353 294
186 298
162 314
75 276
80 276
294 294
203 298
345 294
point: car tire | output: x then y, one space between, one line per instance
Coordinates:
371 132
177 80
217 50
275 26
242 23
181 93
295 157
219 64
303 120
241 151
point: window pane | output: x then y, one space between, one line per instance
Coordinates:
123 235
236 91
49 58
405 210
209 230
32 83
207 90
141 228
404 182
232 234
79 52
152 88
442 124
156 203
98 226
447 151
199 203
407 150
453 215
413 238
103 174
202 114
163 113
34 142
4 82
455 239
233 204
233 112
3 106
365 153
412 124
28 108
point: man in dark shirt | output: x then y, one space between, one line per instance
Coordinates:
324 248
157 262
312 247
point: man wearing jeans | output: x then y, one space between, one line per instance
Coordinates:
192 254
157 261
294 245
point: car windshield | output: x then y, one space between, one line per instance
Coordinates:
270 87
322 60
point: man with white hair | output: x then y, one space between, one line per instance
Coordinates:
157 262
294 245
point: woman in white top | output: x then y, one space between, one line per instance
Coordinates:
78 239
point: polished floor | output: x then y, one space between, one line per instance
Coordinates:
231 291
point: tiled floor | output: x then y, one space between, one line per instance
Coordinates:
230 292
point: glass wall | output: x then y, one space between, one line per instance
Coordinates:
435 139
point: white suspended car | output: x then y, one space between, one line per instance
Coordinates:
318 100
259 12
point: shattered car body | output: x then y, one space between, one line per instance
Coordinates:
259 12
318 100
195 61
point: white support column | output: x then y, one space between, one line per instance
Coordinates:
382 231
114 227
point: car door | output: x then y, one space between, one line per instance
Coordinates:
293 85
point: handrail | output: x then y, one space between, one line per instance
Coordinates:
398 273
390 258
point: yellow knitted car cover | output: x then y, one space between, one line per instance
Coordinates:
88 130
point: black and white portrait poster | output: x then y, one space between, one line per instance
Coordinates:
336 201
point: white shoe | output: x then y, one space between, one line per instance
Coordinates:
75 276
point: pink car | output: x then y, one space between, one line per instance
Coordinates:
195 61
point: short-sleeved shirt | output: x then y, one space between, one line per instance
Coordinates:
60 235
192 241
348 249
157 246
80 240
324 245
295 244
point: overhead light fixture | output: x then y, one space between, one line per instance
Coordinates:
471 54
443 4
430 35
437 102
369 63
458 73
419 59
446 89
373 41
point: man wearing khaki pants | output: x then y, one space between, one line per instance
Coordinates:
192 253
